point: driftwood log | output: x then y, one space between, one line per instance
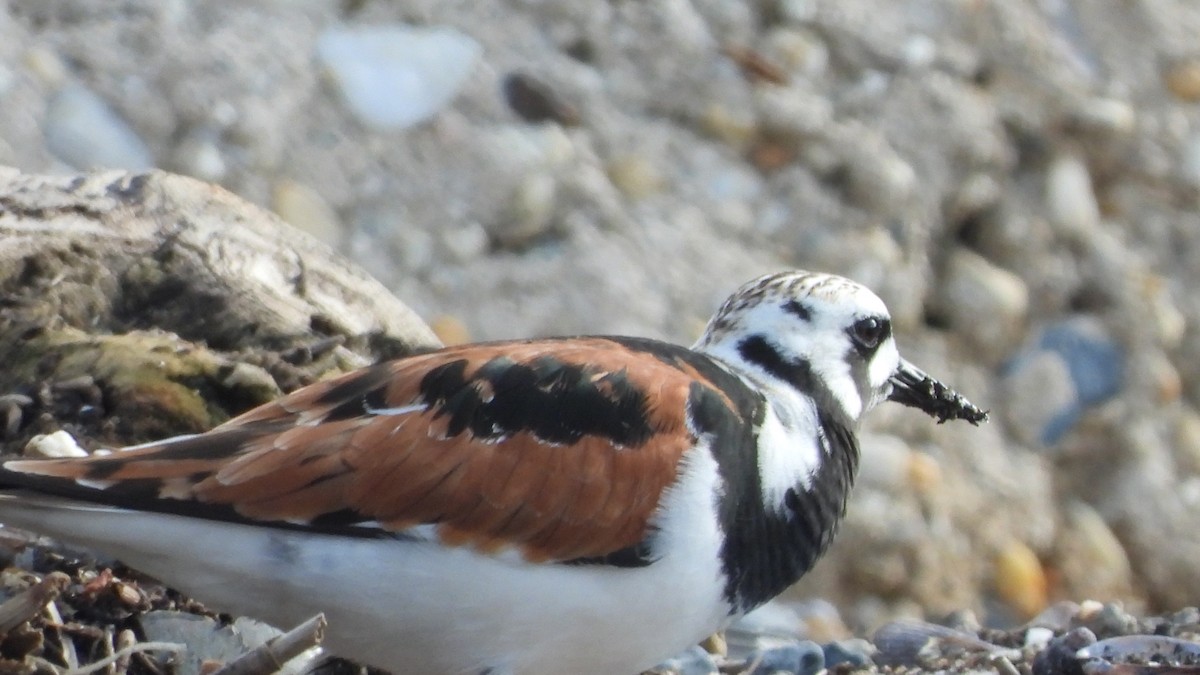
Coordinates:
135 306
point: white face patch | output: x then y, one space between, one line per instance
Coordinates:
883 365
788 454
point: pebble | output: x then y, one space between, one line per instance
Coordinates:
919 51
396 76
855 653
1058 658
1108 115
307 210
1038 637
1090 557
450 330
1111 619
1070 365
199 155
47 66
1183 80
905 643
770 624
1169 323
986 303
534 101
694 661
1057 617
83 131
924 473
821 620
635 176
1095 360
55 445
530 211
734 126
1070 200
801 658
1143 649
799 51
465 243
1019 579
792 112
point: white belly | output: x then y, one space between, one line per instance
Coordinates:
414 607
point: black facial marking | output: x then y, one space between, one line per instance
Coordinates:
798 309
556 401
758 350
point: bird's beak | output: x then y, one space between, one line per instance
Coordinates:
913 387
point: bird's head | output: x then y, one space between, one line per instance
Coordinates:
829 338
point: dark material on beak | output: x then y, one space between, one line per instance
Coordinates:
912 387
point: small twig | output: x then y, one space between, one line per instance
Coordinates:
173 647
272 654
25 605
65 643
1003 665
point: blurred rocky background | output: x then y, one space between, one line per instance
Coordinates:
1018 179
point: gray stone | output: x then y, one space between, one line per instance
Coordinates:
396 76
83 131
987 304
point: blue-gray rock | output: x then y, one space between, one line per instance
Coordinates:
854 653
397 76
1070 365
1096 362
800 658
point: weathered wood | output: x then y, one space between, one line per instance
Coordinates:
180 301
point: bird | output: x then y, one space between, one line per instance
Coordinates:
589 504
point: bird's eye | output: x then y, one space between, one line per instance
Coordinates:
869 332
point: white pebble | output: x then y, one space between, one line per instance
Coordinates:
199 156
84 132
1038 637
397 76
919 51
465 243
530 210
1109 115
1069 197
56 445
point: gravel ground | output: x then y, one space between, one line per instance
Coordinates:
1019 180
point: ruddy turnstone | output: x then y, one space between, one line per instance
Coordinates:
570 505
